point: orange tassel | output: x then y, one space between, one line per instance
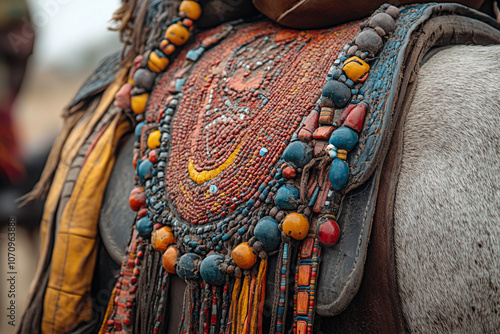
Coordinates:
231 322
260 295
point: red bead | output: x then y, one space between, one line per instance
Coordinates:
289 172
329 233
142 212
137 199
153 156
356 117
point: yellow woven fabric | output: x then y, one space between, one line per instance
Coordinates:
67 298
261 283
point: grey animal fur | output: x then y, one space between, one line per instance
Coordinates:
447 209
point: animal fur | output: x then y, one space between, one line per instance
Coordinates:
447 209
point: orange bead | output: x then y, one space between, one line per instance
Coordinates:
157 61
243 256
138 102
177 34
166 47
192 9
169 259
154 139
296 226
162 238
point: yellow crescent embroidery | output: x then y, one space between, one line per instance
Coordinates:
206 175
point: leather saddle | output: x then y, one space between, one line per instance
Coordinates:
357 290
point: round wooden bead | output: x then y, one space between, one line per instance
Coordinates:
338 92
177 34
157 62
329 232
355 67
298 153
154 139
144 79
162 238
243 256
137 198
144 227
267 232
296 226
169 258
211 271
138 103
287 197
339 174
384 21
187 266
192 9
368 40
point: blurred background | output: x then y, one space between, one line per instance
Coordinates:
71 37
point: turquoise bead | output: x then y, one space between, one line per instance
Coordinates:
210 269
339 174
187 266
267 232
138 130
298 153
144 227
287 197
144 169
344 138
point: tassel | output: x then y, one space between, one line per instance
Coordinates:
242 305
260 296
225 305
279 305
215 309
249 311
234 307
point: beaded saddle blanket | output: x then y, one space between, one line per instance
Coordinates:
258 148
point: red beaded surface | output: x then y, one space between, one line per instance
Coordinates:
249 93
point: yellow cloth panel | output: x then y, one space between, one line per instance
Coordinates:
66 301
71 147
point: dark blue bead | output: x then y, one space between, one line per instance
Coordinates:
250 203
225 237
287 197
245 212
298 153
339 174
267 232
210 269
344 138
241 230
338 92
144 227
186 266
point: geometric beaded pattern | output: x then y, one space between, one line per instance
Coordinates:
241 104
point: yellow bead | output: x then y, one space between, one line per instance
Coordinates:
355 68
154 139
191 8
138 102
157 62
169 259
243 256
342 154
296 226
162 238
177 34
